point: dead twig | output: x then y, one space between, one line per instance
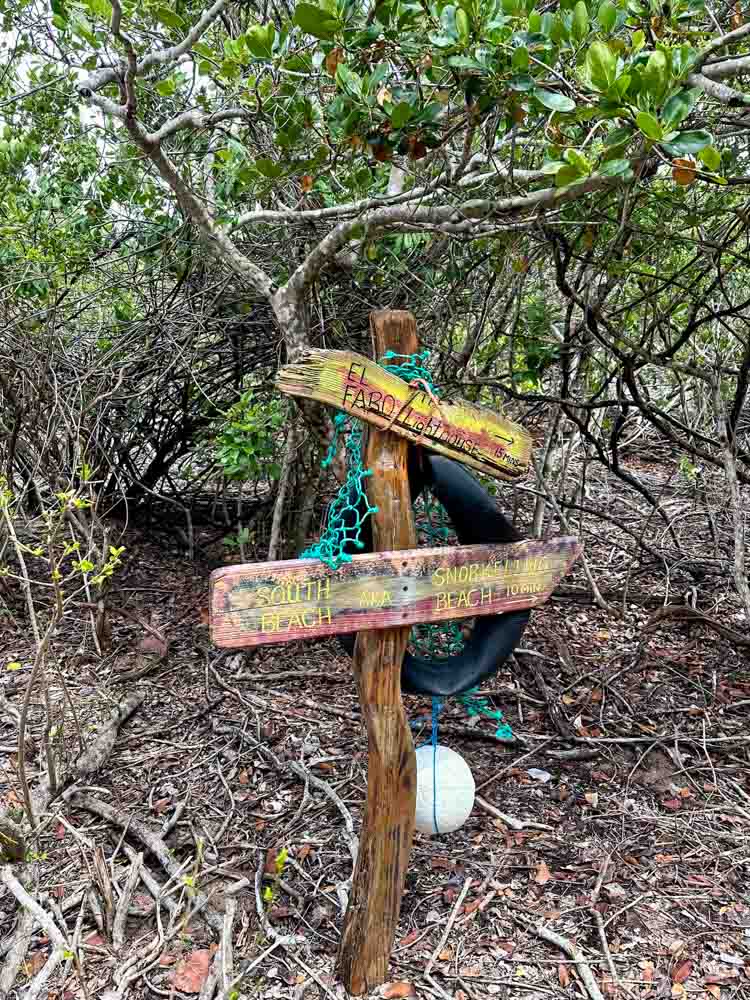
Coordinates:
60 944
448 927
599 920
565 946
95 756
310 780
270 931
19 945
511 821
121 914
149 839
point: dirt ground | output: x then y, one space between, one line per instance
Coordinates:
609 854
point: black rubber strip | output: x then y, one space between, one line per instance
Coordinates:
476 520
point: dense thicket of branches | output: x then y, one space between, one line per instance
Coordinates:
191 197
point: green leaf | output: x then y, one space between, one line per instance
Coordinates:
466 62
601 65
554 101
656 75
463 26
521 83
607 15
204 50
520 60
616 168
166 87
314 20
649 125
617 135
348 80
688 142
566 175
637 41
100 8
260 39
168 17
268 168
578 161
580 21
14 665
710 157
401 114
678 107
448 21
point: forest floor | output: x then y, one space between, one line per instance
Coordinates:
619 865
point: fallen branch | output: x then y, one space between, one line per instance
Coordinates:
18 946
565 946
511 821
271 933
121 914
311 780
96 755
153 842
685 613
599 919
448 927
53 932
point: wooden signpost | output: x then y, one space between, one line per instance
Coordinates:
304 599
380 595
469 433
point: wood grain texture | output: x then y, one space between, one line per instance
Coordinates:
388 826
471 434
277 602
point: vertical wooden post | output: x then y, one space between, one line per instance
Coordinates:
388 826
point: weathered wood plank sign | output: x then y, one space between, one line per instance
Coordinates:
253 605
463 431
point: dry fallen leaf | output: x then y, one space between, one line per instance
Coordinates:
683 172
446 955
306 183
191 971
34 963
393 990
563 974
410 938
714 991
543 874
383 95
153 644
334 57
681 972
678 990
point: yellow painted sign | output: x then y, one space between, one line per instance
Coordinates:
459 430
302 598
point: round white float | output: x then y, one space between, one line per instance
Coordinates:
453 783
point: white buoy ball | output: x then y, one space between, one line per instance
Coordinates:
445 794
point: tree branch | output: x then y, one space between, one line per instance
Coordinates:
196 119
719 91
161 57
462 218
719 43
727 68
